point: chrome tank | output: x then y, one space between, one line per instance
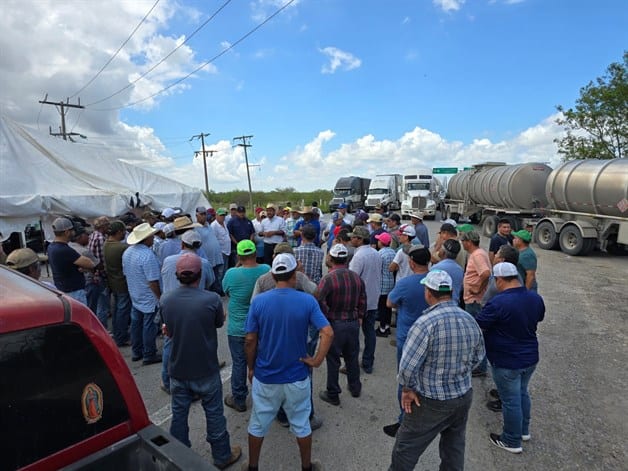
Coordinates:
590 186
520 186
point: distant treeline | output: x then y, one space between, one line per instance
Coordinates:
278 196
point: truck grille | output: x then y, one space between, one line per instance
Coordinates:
419 202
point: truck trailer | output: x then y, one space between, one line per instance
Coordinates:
387 191
350 190
580 205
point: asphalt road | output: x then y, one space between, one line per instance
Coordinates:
579 390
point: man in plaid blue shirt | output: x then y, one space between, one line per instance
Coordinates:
310 255
442 348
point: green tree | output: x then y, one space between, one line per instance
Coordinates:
597 127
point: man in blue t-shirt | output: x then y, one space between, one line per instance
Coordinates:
408 296
276 350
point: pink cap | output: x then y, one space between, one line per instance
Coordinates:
384 237
189 262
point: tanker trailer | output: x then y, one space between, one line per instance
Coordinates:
492 191
588 206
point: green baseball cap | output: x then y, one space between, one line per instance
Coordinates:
465 228
246 247
523 235
221 211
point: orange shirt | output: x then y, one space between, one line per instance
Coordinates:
477 264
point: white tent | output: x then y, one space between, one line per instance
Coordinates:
42 177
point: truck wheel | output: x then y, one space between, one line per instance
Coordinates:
489 226
475 218
589 246
571 240
546 236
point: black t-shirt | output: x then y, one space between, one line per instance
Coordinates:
192 316
65 274
497 241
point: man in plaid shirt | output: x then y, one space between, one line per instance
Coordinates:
96 286
443 346
310 255
342 298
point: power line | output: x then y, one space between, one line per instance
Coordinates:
130 84
119 49
205 64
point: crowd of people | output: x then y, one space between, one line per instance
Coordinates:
299 291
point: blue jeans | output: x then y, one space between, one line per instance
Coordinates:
210 390
121 318
79 295
474 309
513 392
368 329
143 334
419 428
239 390
98 300
166 348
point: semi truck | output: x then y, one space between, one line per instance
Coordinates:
580 205
387 191
350 190
422 194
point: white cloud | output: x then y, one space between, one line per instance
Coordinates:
414 149
449 5
262 9
339 59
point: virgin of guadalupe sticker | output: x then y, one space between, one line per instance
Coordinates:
91 403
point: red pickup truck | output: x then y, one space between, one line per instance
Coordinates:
67 397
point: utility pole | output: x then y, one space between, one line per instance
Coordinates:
61 107
246 159
204 152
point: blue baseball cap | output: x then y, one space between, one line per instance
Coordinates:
342 206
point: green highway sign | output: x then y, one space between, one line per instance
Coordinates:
442 170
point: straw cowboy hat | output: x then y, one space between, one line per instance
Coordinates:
140 232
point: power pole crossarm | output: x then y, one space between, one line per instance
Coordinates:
62 111
204 153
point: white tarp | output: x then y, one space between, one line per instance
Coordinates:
42 177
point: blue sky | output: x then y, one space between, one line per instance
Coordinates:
328 87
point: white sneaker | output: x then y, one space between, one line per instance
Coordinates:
497 441
526 438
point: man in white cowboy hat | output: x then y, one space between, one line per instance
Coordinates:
141 268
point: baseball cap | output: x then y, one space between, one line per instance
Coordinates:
342 206
189 263
465 228
438 280
258 210
221 211
22 258
420 254
201 209
271 206
473 236
168 228
452 246
287 209
361 232
450 221
408 230
233 206
335 216
523 235
384 237
241 209
169 212
338 251
283 263
62 224
505 269
211 212
191 238
159 226
282 247
246 247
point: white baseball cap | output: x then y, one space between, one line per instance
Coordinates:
505 269
338 251
438 280
284 263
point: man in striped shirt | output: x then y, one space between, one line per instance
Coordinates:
443 346
310 255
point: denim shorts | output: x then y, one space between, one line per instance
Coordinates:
268 398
